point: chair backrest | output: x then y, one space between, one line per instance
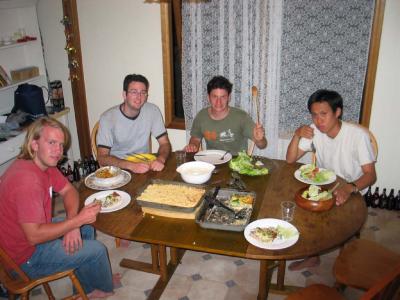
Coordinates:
7 265
93 139
372 138
388 288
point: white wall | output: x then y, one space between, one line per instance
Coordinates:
49 15
118 40
130 42
385 119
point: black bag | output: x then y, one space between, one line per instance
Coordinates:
29 98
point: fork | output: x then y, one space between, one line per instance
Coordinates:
313 157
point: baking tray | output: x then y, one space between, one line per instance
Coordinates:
167 206
229 223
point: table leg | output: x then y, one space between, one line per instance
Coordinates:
266 269
162 251
154 257
158 266
280 282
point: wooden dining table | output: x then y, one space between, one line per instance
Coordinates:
320 232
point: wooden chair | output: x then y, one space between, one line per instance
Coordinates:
372 138
93 138
386 288
362 262
22 284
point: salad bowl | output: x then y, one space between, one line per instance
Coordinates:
314 205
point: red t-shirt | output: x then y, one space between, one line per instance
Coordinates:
25 198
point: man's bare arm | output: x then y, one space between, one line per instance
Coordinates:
194 144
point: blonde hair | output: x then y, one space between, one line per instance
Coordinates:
35 131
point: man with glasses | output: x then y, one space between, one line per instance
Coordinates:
125 129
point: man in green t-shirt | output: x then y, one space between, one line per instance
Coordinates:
224 127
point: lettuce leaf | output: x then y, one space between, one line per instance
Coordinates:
243 164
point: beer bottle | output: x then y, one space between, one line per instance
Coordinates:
368 197
86 166
391 200
398 200
375 198
70 174
92 164
75 172
81 170
383 199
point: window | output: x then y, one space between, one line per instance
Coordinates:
171 31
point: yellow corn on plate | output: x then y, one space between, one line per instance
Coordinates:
140 158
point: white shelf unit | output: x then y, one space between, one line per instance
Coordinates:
16 15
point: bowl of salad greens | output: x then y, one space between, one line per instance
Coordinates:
315 198
246 165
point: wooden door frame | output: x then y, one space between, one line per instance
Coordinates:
373 55
73 48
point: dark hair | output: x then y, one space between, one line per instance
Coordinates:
219 82
333 98
135 77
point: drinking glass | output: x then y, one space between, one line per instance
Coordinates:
287 210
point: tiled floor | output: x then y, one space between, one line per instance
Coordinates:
208 276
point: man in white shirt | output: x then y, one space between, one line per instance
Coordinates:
342 147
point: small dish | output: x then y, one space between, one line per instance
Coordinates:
311 205
107 175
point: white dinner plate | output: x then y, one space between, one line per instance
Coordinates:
213 156
125 199
297 175
91 182
276 243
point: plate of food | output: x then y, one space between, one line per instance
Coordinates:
315 198
246 165
213 156
271 234
111 200
311 174
92 181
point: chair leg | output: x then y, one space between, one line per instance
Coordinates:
25 296
11 296
48 291
117 242
78 286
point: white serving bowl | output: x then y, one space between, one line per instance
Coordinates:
115 177
196 172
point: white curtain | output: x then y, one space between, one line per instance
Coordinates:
287 49
239 39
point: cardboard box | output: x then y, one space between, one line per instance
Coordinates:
24 73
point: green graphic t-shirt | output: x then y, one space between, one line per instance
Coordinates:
231 133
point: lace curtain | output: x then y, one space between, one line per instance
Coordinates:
287 49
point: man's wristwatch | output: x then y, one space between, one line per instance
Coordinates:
355 188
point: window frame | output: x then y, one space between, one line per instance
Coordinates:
171 121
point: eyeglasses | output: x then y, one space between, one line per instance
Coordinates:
138 93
